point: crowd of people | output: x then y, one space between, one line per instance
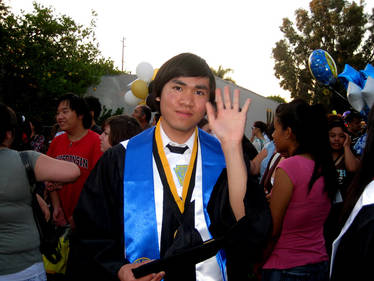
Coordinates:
292 202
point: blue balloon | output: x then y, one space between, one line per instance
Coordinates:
322 67
368 71
350 74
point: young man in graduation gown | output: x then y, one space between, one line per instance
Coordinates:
173 187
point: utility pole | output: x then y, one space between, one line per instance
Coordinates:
123 51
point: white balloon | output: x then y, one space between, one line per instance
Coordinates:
130 99
144 71
354 96
368 92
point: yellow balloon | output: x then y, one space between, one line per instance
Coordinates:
140 89
154 73
142 102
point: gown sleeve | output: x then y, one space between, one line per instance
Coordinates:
355 254
97 244
245 243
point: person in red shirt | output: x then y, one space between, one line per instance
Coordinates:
79 145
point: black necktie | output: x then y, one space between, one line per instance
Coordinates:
177 149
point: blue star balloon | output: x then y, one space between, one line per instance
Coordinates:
350 74
322 66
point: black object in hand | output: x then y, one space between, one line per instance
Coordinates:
193 255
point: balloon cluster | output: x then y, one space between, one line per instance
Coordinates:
139 88
359 84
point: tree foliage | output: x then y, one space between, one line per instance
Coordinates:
3 9
43 55
108 112
340 27
222 73
277 99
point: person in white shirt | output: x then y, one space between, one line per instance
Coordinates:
259 137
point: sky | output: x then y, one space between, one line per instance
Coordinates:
237 34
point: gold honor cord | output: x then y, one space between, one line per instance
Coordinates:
165 164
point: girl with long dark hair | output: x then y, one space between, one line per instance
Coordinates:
345 161
304 185
346 164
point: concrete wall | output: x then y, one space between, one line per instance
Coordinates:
112 89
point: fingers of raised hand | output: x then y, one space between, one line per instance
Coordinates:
236 100
225 103
227 98
246 106
210 112
218 99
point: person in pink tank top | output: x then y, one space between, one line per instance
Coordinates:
300 202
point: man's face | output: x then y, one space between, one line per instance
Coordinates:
182 104
66 118
355 126
138 113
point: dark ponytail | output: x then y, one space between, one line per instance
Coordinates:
8 121
309 125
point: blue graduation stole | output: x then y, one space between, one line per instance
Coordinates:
140 223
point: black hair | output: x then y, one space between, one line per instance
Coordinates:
37 124
8 121
353 115
182 65
365 172
122 127
203 122
335 121
261 125
157 117
78 105
269 130
147 112
309 126
94 105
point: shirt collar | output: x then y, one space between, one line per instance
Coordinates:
166 140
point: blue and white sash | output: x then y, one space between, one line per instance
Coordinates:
140 223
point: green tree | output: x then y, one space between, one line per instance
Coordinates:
43 55
277 99
108 112
222 73
340 27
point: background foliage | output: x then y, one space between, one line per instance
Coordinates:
277 99
222 73
339 27
108 112
43 56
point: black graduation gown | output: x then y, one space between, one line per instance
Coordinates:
97 245
355 254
